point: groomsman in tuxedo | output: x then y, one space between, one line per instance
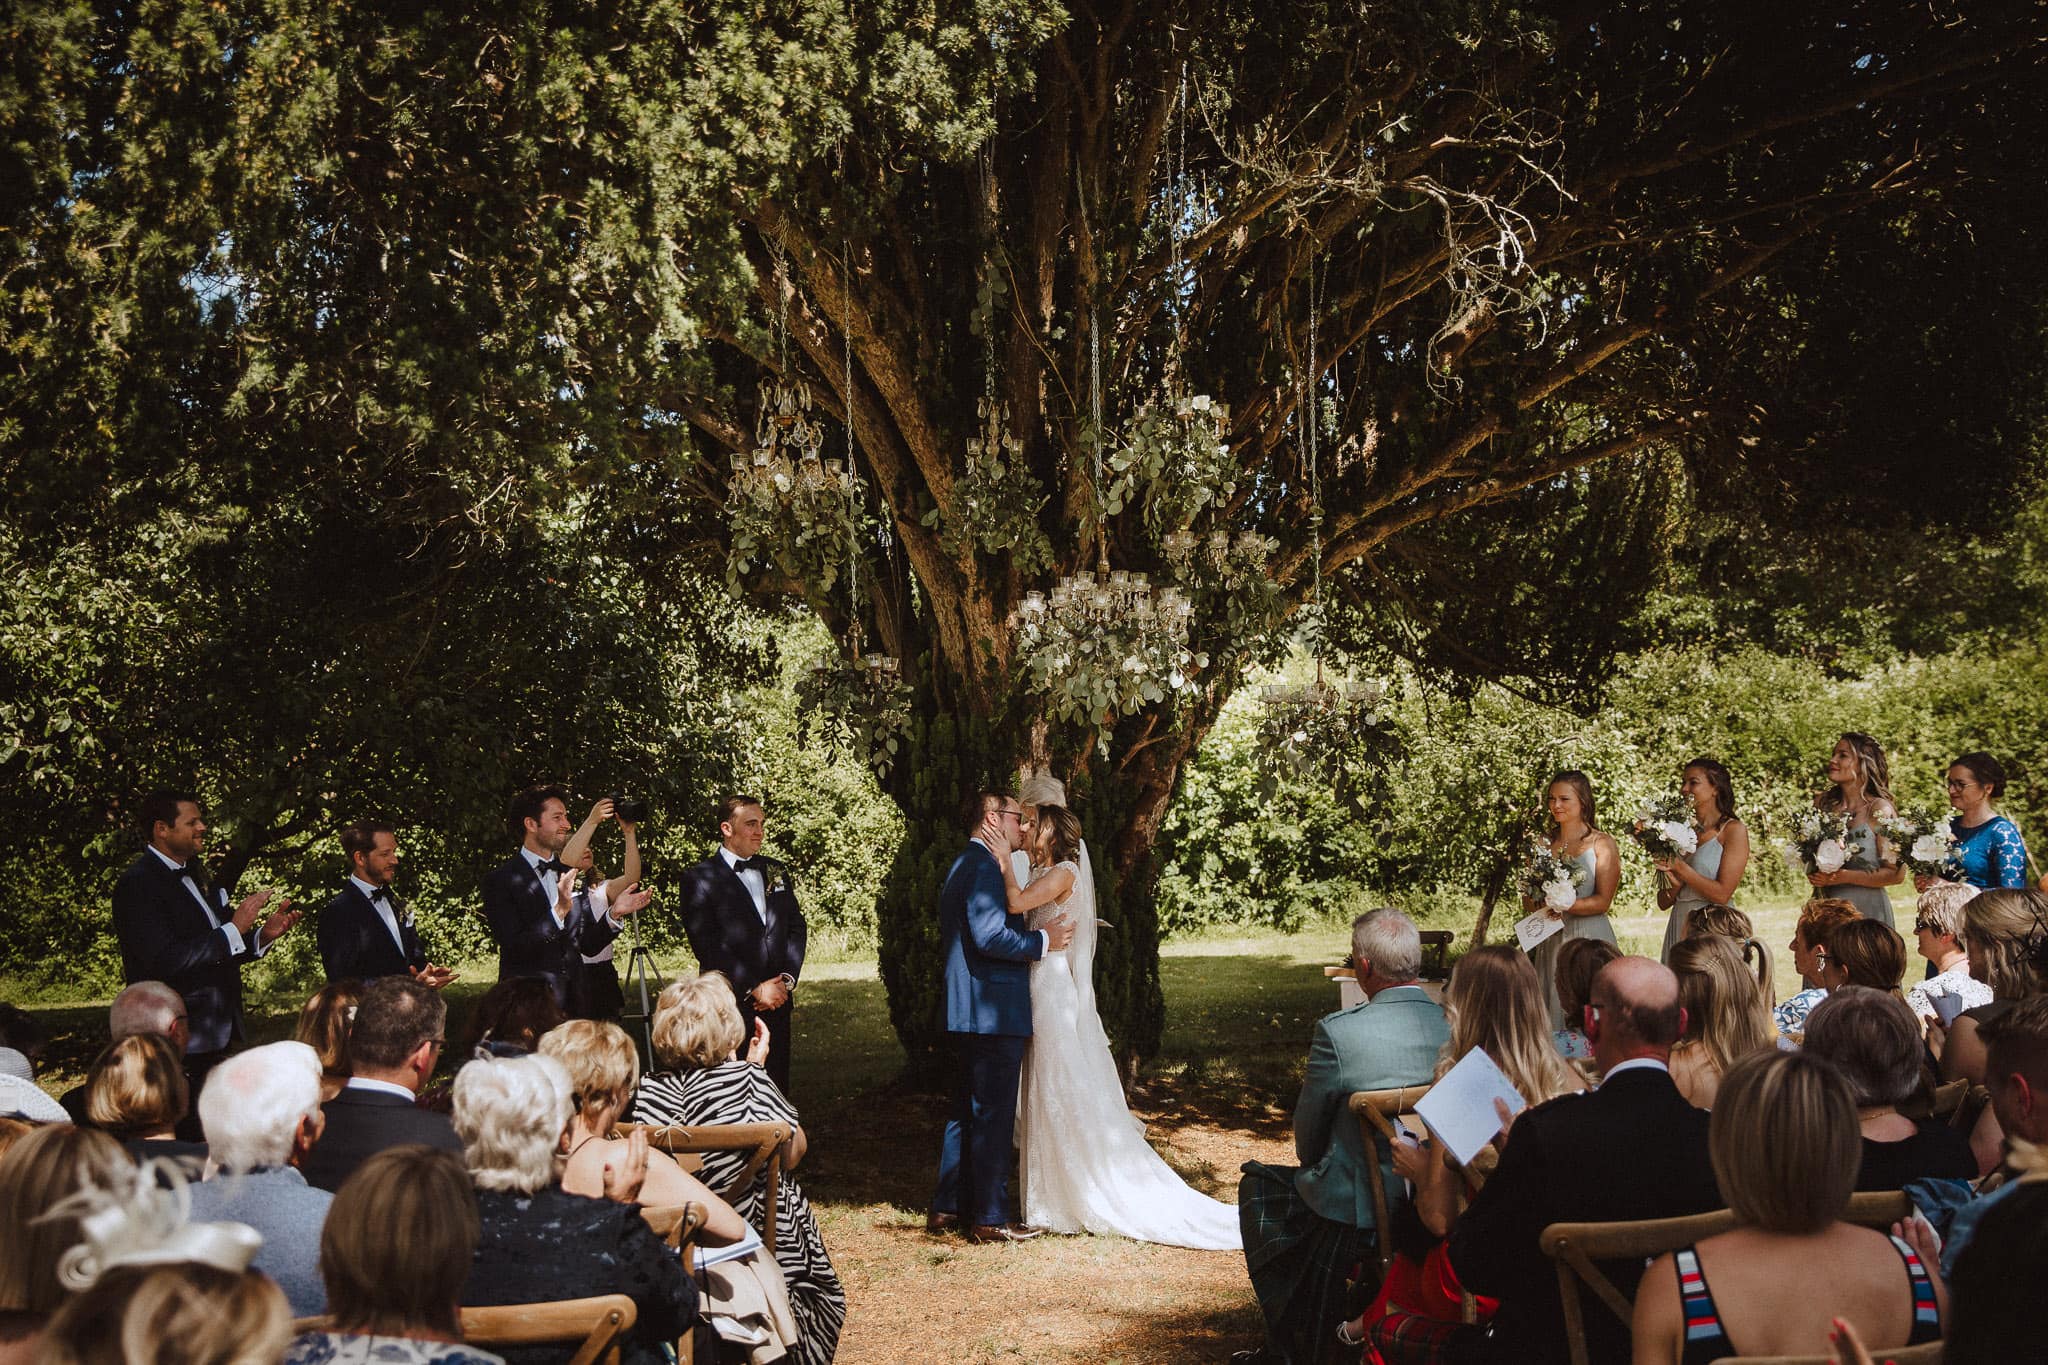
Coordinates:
541 930
739 910
175 927
366 932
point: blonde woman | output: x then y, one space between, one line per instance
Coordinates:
1735 926
1860 788
1576 838
1785 1147
324 1022
137 1091
1725 1016
184 1313
41 1173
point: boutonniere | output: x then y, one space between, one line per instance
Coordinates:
405 913
781 883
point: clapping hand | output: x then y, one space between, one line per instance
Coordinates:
622 1181
432 977
757 1047
631 901
279 920
565 894
244 918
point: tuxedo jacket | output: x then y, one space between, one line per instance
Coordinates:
166 937
725 930
988 950
354 941
1631 1149
362 1123
521 912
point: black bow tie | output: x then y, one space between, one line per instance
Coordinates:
194 871
554 865
755 864
382 893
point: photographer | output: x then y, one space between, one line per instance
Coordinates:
596 994
541 926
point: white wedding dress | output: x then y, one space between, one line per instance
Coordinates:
1085 1161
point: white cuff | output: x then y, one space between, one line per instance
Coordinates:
236 944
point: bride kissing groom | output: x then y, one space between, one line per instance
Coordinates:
1019 948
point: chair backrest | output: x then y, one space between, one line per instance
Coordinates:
598 1323
676 1225
1575 1246
1927 1353
1975 1101
1436 954
760 1143
1939 1103
1377 1110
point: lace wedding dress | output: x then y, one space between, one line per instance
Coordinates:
1085 1161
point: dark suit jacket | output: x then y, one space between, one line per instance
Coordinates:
362 1123
355 943
725 930
1631 1149
988 950
165 937
530 944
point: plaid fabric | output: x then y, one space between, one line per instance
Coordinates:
1300 1263
1402 1338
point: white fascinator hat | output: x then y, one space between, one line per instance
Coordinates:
1038 787
145 1224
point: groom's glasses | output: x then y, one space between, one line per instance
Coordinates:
1016 815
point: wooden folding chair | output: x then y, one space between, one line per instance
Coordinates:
1975 1101
1927 1353
1436 954
1940 1103
597 1322
761 1142
678 1225
1377 1110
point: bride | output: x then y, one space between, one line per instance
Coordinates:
1085 1161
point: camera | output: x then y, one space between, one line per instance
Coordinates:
630 809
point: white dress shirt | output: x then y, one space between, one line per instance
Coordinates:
215 915
380 1087
751 878
1634 1064
383 908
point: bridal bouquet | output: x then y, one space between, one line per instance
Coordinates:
1925 840
1822 844
1547 879
1664 827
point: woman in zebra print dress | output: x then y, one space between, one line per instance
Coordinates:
703 1080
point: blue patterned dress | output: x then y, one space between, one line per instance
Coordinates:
1988 856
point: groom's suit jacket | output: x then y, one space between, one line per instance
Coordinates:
166 937
988 949
1391 1040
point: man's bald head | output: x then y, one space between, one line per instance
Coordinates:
148 1007
1637 998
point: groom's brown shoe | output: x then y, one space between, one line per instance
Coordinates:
1003 1232
939 1224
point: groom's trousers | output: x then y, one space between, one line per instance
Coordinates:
974 1162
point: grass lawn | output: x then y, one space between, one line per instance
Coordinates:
1239 1011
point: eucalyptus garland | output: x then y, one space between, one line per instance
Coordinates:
859 708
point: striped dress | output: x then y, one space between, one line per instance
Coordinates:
739 1092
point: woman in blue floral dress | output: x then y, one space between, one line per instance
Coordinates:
1990 854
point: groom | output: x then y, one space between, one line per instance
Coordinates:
988 1018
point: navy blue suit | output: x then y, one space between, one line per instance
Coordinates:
166 937
988 1015
356 943
521 913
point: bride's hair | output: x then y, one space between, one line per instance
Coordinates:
1060 828
1496 1003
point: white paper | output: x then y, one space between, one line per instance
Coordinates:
1531 930
1459 1108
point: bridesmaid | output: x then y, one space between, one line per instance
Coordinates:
1710 874
1862 791
1577 839
1990 854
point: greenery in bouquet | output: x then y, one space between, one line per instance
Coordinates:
1924 840
1546 878
1821 843
1664 827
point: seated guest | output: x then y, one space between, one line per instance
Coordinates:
1579 960
136 1091
1307 1226
1631 1149
1494 1005
1733 925
145 1007
703 1080
262 1114
514 1118
1872 1037
324 1022
1725 1015
1862 953
2006 936
509 1021
1937 933
396 1248
2017 1075
38 1173
1816 917
20 1096
1783 1143
398 1034
182 1313
13 1131
1995 1303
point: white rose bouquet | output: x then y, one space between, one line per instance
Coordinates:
1823 844
1664 827
1925 841
1547 879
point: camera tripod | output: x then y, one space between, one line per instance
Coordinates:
643 983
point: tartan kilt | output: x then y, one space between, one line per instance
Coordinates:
1300 1263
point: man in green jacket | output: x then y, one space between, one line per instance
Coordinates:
1306 1226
